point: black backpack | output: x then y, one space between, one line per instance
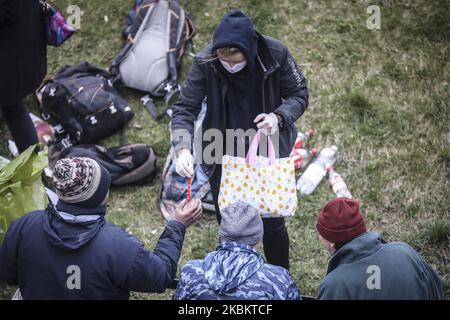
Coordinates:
134 164
157 35
84 102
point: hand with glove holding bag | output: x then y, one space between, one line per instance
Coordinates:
267 123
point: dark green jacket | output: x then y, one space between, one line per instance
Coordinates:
403 274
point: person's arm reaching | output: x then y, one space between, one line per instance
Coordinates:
188 107
154 271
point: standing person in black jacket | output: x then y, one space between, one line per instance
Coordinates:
250 81
70 252
23 64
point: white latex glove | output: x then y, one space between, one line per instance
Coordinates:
268 123
185 163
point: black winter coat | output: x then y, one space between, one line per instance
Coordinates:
23 49
283 89
51 257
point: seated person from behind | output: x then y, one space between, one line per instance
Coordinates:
236 270
71 252
364 266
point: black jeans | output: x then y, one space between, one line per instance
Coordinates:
20 125
276 238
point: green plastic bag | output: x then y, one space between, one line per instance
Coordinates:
21 187
3 162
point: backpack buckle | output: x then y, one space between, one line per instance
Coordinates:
59 129
65 142
148 103
93 120
145 99
168 87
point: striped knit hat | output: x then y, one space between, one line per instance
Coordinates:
81 181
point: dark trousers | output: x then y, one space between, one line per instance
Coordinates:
276 238
20 125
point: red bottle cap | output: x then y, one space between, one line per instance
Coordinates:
298 143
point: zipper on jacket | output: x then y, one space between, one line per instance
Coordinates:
263 84
262 64
224 92
267 73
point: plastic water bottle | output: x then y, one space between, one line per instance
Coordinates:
302 138
338 184
317 170
302 157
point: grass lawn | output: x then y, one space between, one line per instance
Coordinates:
382 96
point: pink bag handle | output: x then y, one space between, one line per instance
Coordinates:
251 155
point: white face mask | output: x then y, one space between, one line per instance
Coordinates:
233 69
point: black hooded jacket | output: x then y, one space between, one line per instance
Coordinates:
236 30
70 252
281 88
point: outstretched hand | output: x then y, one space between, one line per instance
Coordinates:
188 212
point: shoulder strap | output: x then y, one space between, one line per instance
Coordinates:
141 13
144 9
181 30
176 17
150 105
189 33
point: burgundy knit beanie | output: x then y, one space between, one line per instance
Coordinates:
340 221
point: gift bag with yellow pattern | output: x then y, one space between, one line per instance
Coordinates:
265 183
